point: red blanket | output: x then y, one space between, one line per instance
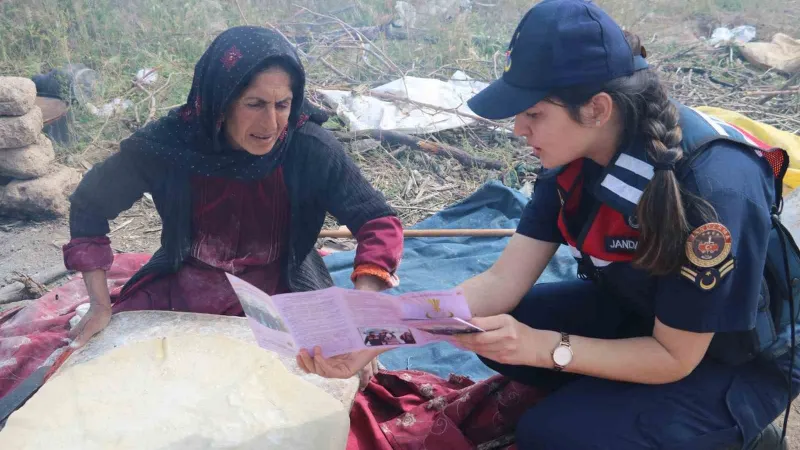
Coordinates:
416 410
398 410
32 334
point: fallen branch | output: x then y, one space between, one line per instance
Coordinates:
435 148
675 55
785 92
241 13
785 86
18 290
123 225
344 233
360 38
32 286
97 136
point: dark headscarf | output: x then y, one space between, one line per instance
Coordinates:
190 138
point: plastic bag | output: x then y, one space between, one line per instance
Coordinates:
739 35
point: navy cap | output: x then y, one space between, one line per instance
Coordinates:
558 43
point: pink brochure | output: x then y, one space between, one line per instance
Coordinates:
345 320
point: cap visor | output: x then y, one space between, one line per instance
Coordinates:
501 100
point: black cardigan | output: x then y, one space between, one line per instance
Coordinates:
320 177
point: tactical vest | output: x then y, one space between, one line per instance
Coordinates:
610 235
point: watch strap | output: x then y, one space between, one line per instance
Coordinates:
564 342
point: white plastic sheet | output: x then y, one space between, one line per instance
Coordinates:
739 35
365 112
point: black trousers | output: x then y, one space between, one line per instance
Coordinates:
715 407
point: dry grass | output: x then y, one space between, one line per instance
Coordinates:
118 37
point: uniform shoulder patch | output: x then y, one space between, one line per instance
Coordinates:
707 279
708 245
708 249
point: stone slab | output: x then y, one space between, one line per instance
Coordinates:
137 326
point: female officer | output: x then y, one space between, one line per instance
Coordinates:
666 341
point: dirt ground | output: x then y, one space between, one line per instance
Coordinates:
31 248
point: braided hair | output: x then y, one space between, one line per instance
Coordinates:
646 110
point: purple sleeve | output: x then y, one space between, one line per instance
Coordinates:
380 243
85 254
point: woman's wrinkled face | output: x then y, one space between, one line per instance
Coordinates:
256 119
555 137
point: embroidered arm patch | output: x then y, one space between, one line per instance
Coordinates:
708 249
707 279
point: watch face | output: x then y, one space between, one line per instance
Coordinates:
562 355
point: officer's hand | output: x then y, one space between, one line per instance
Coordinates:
506 340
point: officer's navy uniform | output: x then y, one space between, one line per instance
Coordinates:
732 395
731 282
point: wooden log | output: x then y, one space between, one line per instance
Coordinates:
455 232
414 143
17 291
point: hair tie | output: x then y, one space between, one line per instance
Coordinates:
670 166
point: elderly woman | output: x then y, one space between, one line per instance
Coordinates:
242 176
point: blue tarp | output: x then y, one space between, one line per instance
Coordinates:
443 263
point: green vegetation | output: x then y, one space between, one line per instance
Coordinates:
119 37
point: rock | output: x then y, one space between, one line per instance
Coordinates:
20 131
17 96
27 162
40 198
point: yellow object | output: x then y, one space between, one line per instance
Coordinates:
769 134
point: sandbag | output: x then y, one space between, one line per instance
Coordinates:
20 131
17 96
782 53
32 161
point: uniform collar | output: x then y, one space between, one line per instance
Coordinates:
623 180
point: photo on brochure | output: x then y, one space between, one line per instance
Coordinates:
269 328
379 336
262 312
433 305
448 327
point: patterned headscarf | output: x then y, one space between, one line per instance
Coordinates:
191 139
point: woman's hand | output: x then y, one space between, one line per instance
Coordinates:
508 341
99 314
364 362
92 323
341 366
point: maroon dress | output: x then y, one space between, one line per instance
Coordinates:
240 228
